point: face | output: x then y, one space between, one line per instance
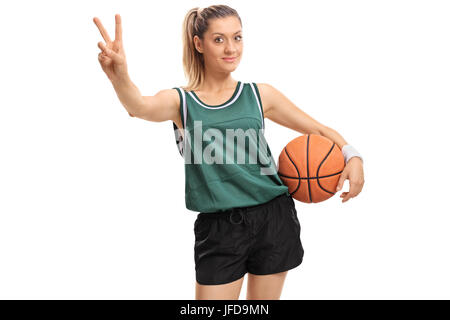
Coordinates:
223 39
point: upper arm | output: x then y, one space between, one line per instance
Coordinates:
278 108
163 106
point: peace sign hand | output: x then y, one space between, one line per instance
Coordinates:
112 58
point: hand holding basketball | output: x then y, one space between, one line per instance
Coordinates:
313 168
112 58
353 171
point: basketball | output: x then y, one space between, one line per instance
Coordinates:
311 166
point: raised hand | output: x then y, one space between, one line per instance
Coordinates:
112 57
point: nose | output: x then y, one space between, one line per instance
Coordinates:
230 48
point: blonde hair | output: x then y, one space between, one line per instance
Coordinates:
196 22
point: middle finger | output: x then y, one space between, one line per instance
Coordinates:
118 28
102 30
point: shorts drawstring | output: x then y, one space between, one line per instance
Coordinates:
237 216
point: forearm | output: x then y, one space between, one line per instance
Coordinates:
129 95
333 135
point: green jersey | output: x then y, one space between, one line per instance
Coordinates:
227 161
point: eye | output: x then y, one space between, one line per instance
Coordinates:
221 38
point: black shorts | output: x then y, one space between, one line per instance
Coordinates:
261 239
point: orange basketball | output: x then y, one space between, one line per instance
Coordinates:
310 166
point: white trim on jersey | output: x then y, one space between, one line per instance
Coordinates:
259 105
181 143
184 107
229 103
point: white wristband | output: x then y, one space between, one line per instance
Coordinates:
349 152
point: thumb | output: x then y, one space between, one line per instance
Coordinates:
113 55
340 183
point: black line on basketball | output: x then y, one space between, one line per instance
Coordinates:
307 168
328 175
318 169
298 173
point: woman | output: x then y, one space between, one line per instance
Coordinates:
247 222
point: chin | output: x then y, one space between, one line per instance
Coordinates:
231 69
232 66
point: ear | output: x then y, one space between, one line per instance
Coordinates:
198 44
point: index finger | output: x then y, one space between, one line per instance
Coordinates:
102 30
118 27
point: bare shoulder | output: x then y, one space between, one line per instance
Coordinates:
268 95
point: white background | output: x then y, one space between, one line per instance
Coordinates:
92 200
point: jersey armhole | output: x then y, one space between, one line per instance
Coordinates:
181 105
260 103
178 136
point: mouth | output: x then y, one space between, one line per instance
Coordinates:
231 59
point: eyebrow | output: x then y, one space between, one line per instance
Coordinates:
223 34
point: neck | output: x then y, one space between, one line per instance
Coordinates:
217 82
